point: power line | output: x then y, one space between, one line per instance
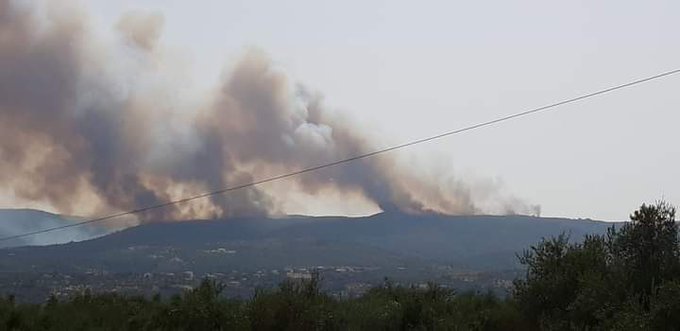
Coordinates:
350 159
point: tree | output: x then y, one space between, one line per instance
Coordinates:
646 249
621 278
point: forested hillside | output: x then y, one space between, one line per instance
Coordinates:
626 279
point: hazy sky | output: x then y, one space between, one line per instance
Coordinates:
410 69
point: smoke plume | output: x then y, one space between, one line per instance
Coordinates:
86 123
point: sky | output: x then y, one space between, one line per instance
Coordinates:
406 70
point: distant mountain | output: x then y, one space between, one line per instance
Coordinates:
385 240
19 221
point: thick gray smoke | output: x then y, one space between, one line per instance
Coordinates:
89 123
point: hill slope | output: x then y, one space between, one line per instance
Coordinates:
18 221
385 240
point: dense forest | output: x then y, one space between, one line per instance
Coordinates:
626 279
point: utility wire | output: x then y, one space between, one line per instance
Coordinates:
350 159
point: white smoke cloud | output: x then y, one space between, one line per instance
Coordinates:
88 122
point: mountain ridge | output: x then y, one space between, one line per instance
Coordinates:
387 239
17 221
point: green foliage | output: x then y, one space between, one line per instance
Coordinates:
295 305
647 248
432 308
626 279
201 309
